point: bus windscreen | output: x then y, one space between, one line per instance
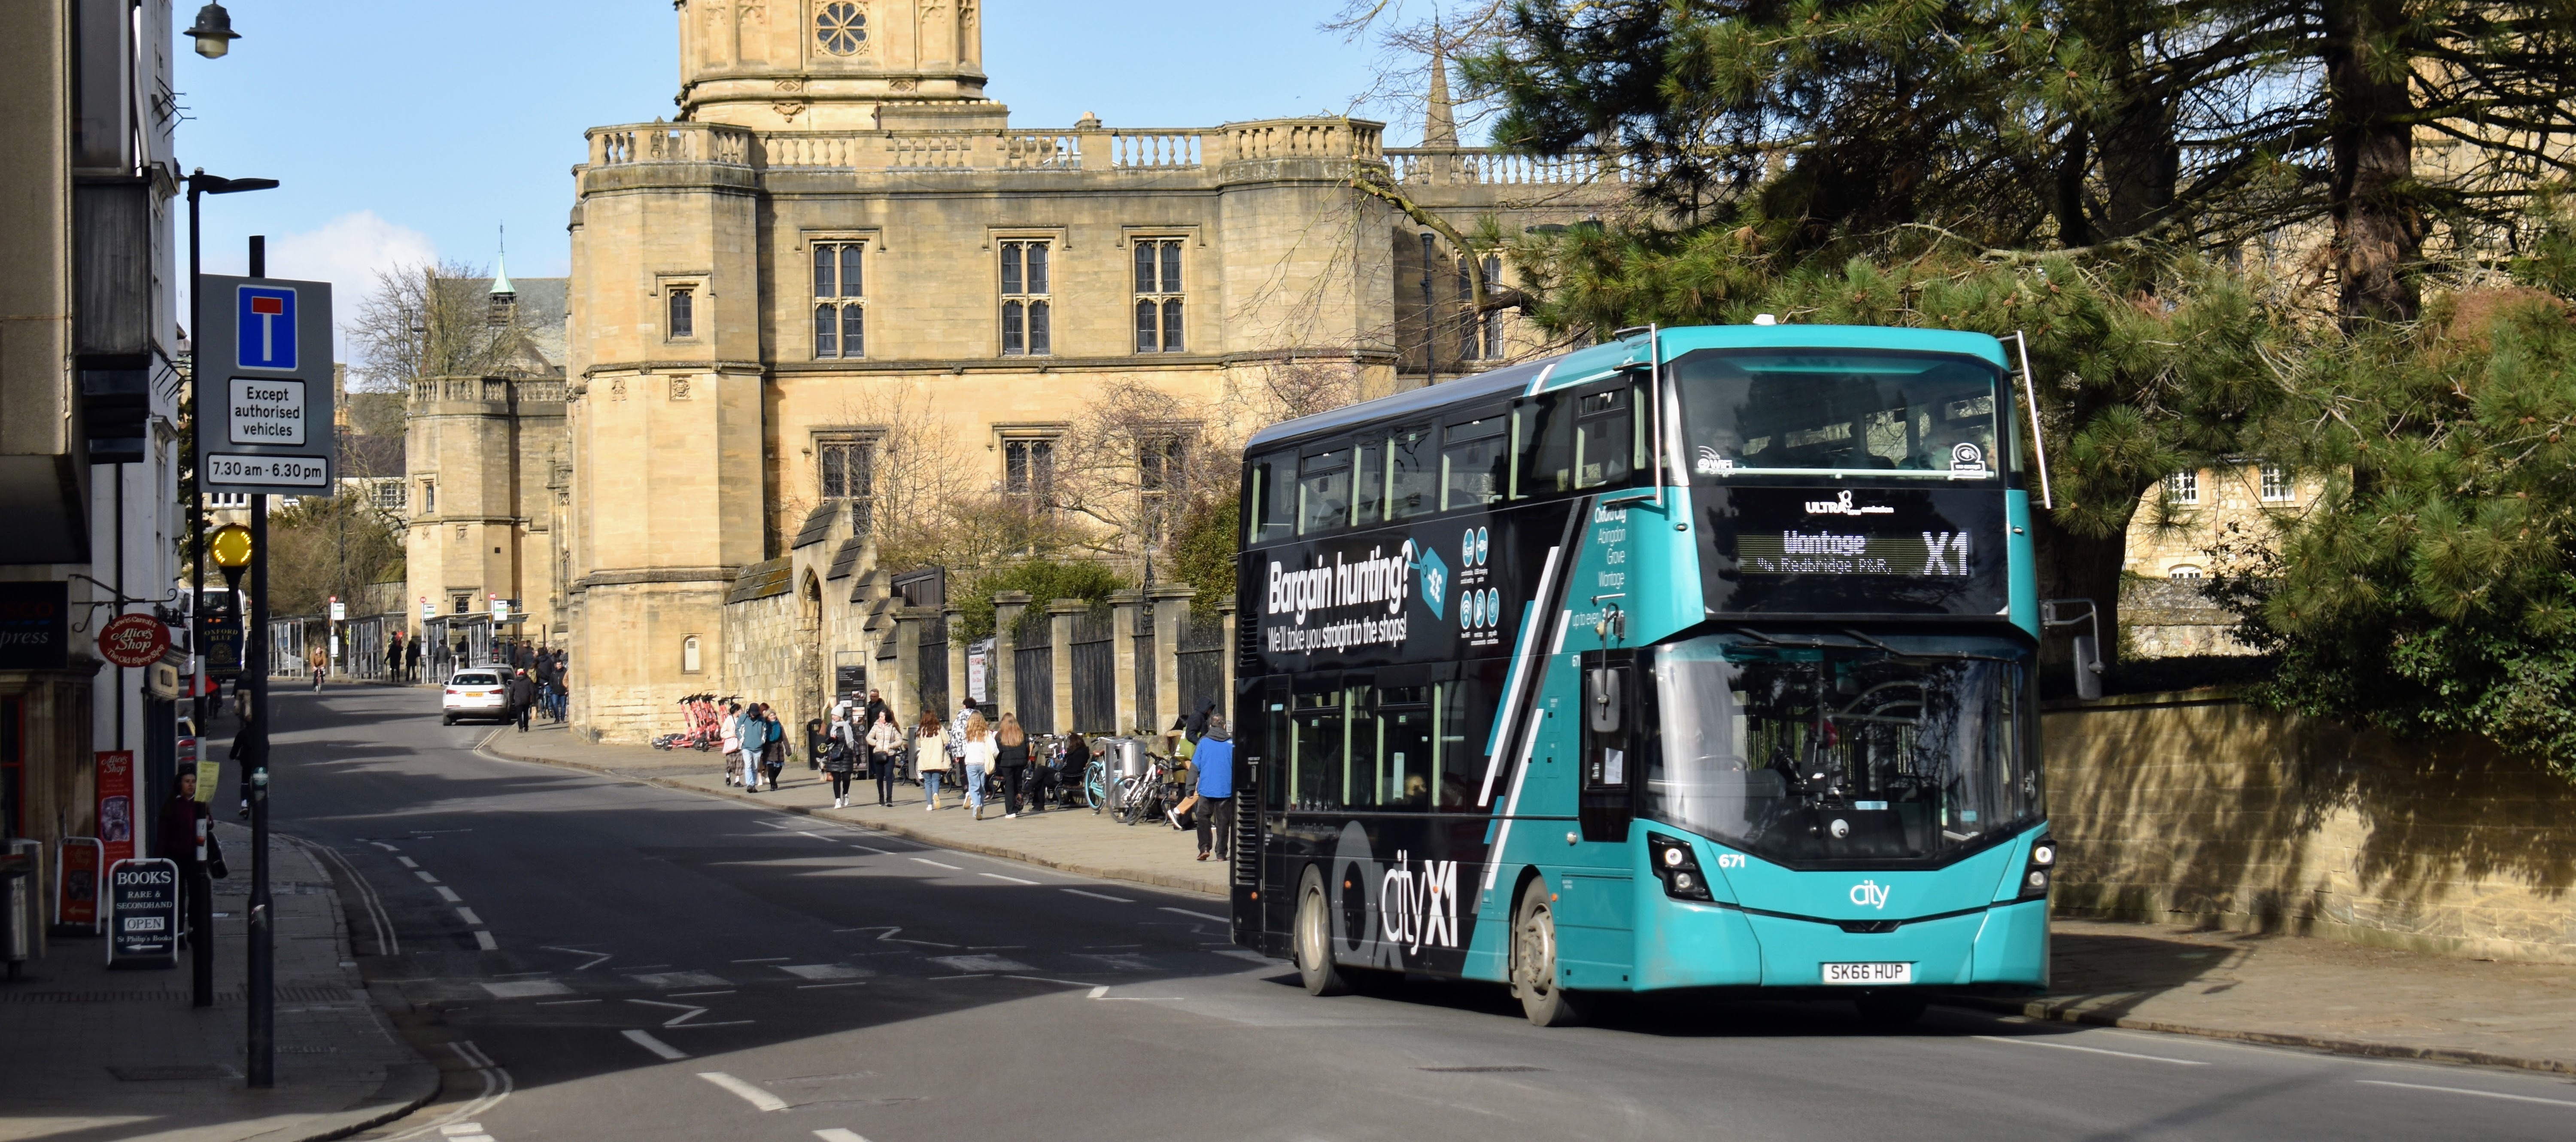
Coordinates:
1911 750
1806 412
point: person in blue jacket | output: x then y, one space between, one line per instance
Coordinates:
1214 759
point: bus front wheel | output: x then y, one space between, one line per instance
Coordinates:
1314 939
1534 968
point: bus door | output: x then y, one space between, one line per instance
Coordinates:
1261 745
1610 770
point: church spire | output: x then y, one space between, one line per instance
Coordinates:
1439 124
501 267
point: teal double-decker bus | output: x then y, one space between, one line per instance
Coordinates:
1703 658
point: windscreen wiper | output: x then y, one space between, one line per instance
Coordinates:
1868 641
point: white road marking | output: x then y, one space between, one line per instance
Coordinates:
878 851
462 1128
688 994
889 937
1200 915
1012 879
1043 979
812 986
2089 1050
825 971
667 980
384 846
2465 1090
687 1012
759 1099
497 1085
764 960
483 940
526 989
658 1047
602 957
1101 896
836 1134
1097 992
407 862
425 878
981 963
564 1002
449 895
468 915
936 864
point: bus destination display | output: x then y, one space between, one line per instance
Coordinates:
1827 552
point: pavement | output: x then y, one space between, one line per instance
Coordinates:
1076 841
95 1054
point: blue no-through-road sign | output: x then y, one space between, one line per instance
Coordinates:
264 327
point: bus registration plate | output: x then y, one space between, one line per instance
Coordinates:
1869 973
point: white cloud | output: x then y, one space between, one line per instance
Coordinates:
347 252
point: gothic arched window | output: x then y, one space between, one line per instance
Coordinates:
841 28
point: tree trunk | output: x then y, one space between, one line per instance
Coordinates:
2075 566
2378 229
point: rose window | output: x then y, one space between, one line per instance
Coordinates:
841 28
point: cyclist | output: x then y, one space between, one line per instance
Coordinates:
321 664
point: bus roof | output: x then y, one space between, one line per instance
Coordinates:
1596 361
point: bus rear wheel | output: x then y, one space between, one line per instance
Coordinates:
1534 968
1313 940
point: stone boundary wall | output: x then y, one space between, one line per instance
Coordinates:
762 659
2210 811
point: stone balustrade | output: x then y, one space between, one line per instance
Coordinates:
1092 149
496 390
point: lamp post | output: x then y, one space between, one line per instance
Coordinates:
201 942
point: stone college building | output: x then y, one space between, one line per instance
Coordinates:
841 223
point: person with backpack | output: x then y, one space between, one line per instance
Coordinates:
839 759
773 745
1215 810
885 746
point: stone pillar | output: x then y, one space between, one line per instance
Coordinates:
904 695
1060 616
1225 660
1005 673
956 660
1123 606
1171 616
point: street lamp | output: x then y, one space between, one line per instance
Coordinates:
214 31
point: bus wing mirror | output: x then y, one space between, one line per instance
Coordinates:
1602 701
2088 646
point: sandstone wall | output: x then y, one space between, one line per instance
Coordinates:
2218 813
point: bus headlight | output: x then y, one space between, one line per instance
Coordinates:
1677 867
2041 867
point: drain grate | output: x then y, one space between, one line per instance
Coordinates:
1498 1070
198 1072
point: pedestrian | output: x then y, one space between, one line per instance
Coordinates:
1198 721
320 661
1176 740
1011 754
957 742
875 708
978 750
814 745
523 697
1070 771
1215 761
929 756
393 658
838 760
885 745
755 734
178 837
773 746
730 731
411 661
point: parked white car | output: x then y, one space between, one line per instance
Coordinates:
475 694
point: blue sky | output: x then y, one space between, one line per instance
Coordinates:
403 131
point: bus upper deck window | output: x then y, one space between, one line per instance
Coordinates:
1273 497
1542 446
1368 483
1324 490
1412 473
1609 441
1473 463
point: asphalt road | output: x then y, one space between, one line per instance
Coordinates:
598 959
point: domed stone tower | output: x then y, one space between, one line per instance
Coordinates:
834 65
